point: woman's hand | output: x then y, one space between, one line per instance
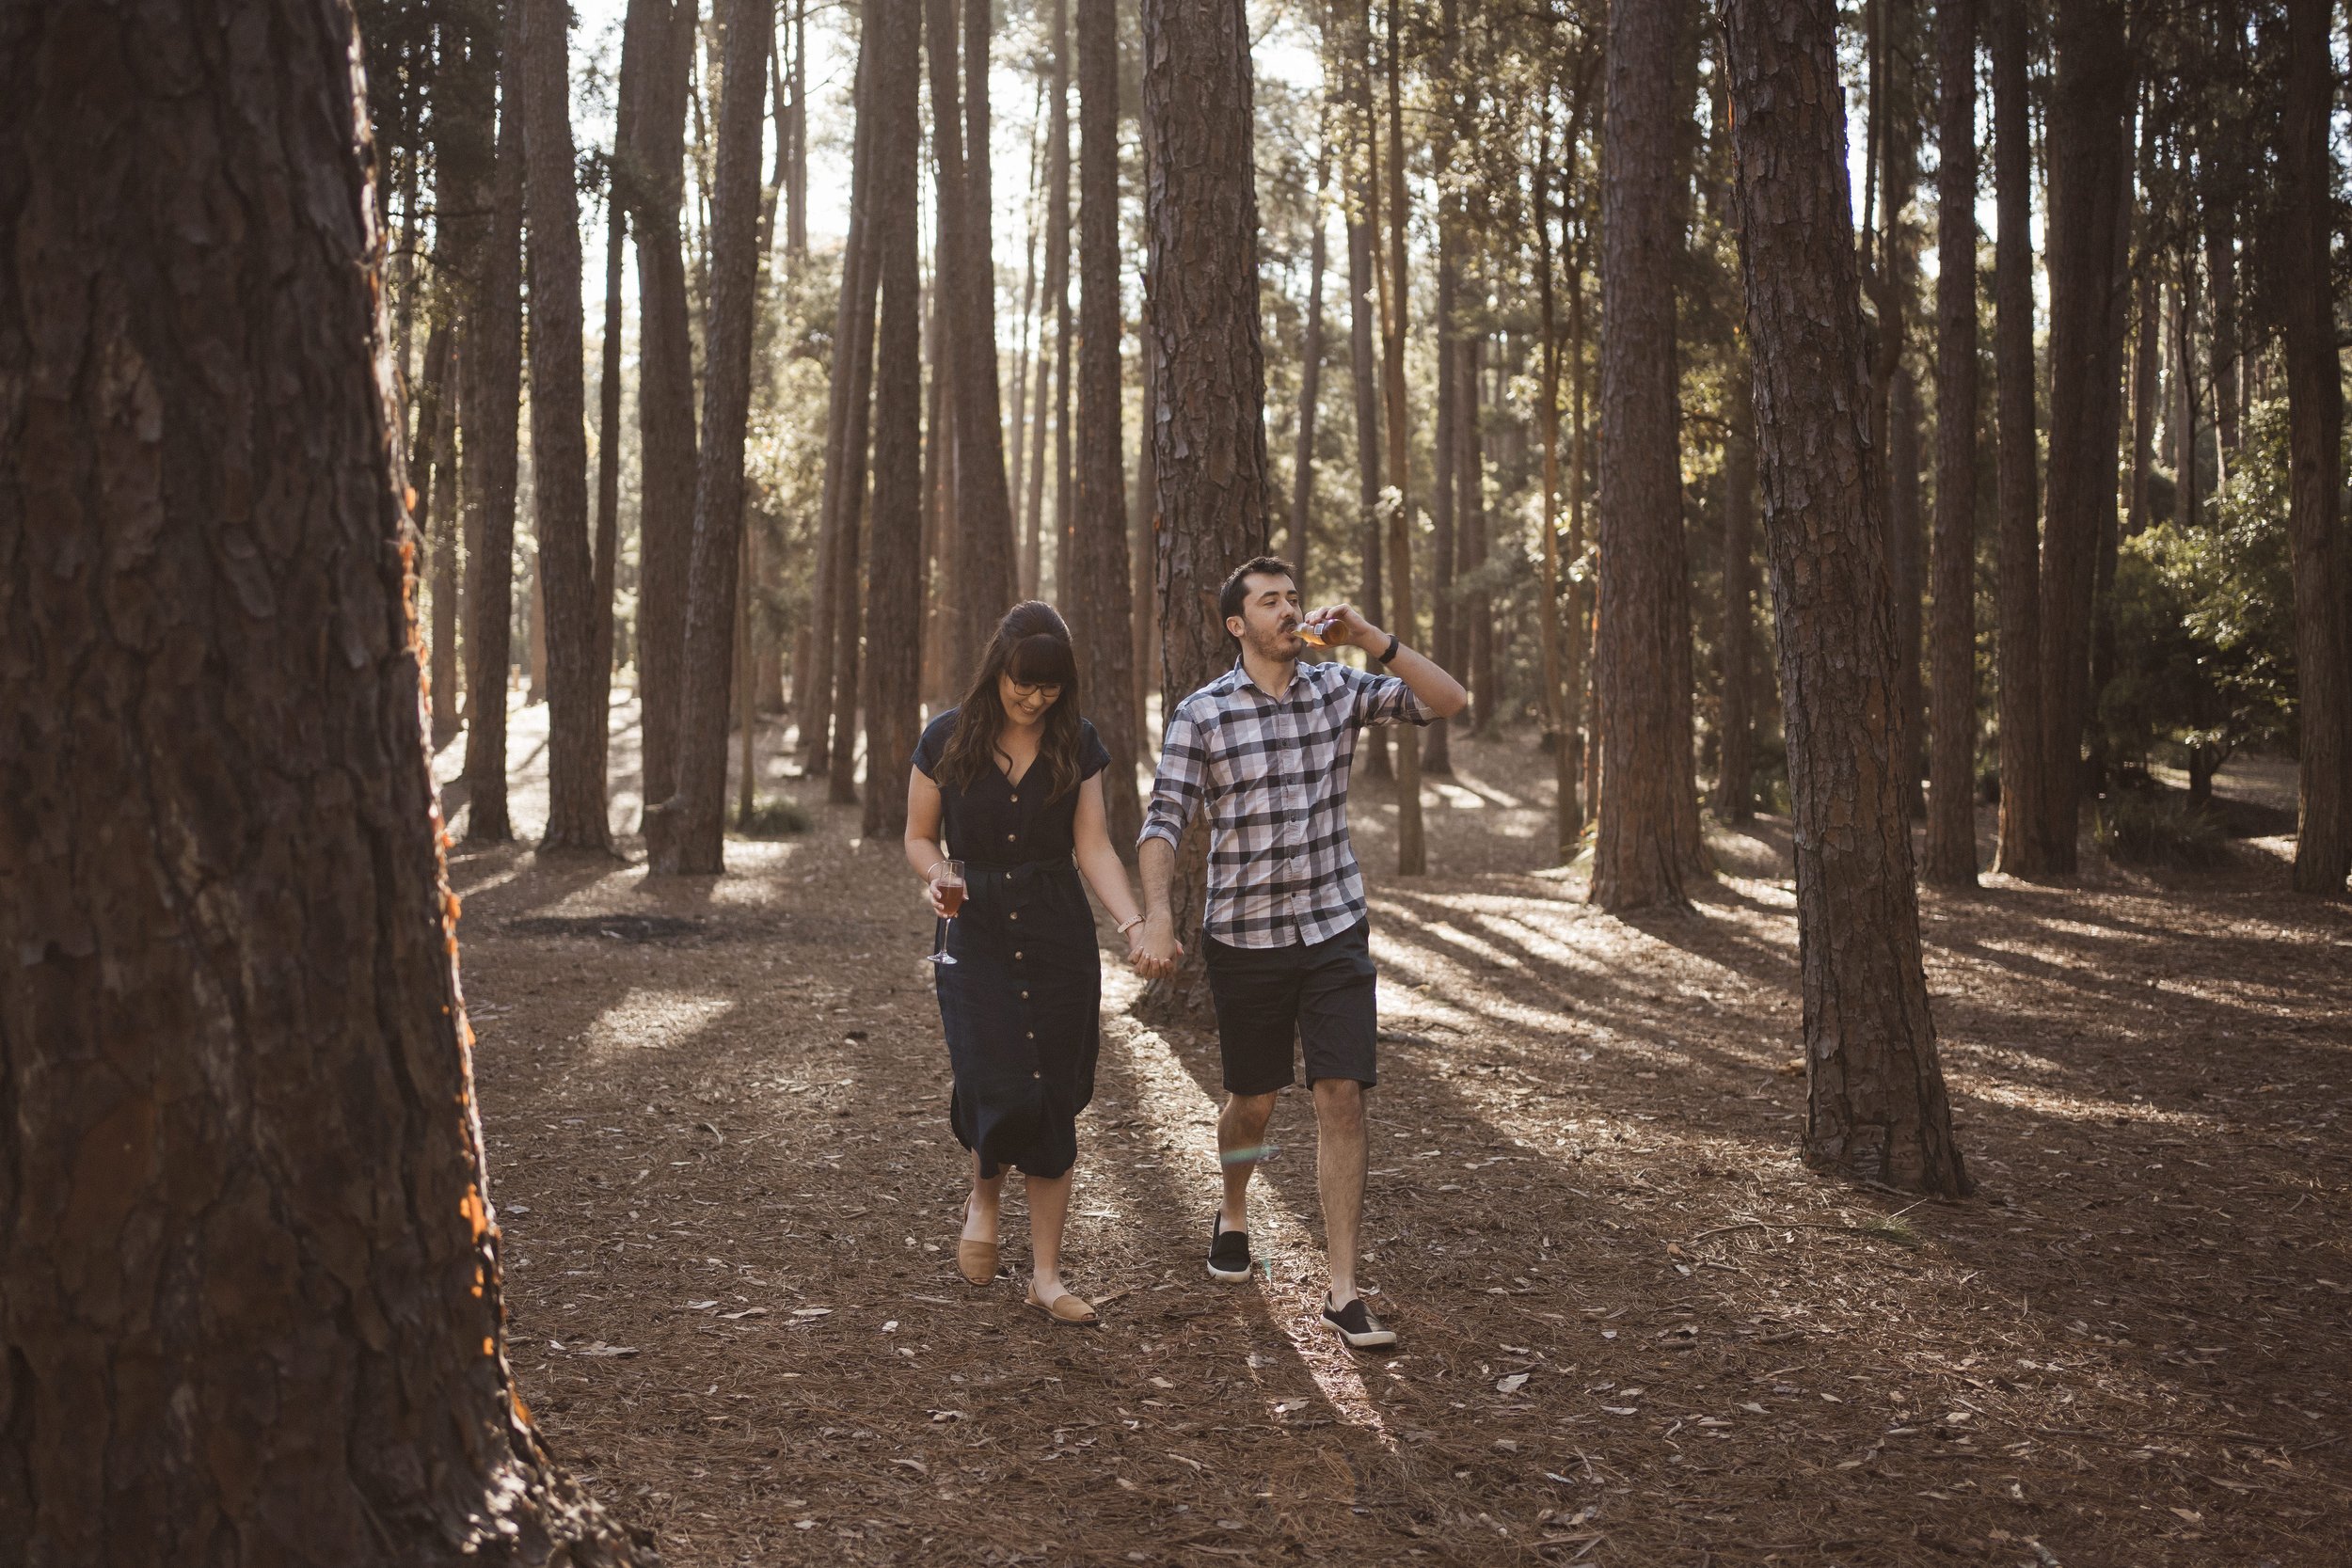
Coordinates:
1134 933
1156 951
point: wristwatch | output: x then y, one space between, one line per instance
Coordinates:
1389 652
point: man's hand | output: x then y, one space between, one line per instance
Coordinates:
1158 952
1345 626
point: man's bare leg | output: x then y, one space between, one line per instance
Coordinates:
1241 1129
1340 1165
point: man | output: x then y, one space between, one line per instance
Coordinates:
1268 746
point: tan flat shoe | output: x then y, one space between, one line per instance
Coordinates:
1066 1309
976 1262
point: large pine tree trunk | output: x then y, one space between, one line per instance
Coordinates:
252 1309
686 834
1645 756
2091 106
894 583
985 576
1876 1101
2020 850
1951 847
1201 203
1099 591
656 53
493 370
2315 443
577 684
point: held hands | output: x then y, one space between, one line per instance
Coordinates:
1347 628
1153 947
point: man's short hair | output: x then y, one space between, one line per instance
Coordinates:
1230 598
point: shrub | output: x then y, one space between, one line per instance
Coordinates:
2148 828
774 816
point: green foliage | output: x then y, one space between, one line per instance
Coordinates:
774 816
2157 827
2205 620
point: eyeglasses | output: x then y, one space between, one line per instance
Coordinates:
1024 691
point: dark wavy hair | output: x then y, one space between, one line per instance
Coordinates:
1032 645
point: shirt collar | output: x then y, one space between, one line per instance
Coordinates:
1237 679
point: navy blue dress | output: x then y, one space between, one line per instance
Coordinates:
1022 1004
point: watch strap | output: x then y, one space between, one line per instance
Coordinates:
1389 652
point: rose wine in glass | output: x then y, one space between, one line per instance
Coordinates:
950 885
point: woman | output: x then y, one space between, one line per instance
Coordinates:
1013 775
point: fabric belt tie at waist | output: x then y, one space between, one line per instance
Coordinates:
1013 887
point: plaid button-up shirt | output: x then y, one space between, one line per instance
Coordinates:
1273 772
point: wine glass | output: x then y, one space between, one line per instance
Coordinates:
950 885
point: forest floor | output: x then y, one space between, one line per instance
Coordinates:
1635 1330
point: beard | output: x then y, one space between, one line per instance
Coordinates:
1280 643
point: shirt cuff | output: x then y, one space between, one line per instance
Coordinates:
1173 836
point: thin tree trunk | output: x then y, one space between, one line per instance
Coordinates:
894 583
1017 443
686 834
984 577
2323 642
1200 201
656 53
1360 171
2089 114
1102 610
565 592
847 588
606 559
253 1308
847 390
436 519
1058 298
1876 1105
2188 488
1444 451
1412 857
1646 763
1301 541
1584 583
1735 778
1951 848
493 401
1143 540
1474 646
1557 627
2021 851
2147 371
796 184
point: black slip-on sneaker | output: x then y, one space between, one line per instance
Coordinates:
1228 1251
1356 1324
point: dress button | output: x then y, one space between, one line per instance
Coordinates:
1016 800
1013 914
1024 996
1016 956
1032 1034
1009 837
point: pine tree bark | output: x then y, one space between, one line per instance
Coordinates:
433 476
1058 300
1475 645
657 54
2020 850
1444 451
1735 779
577 684
2091 107
2323 642
1358 171
1876 1105
893 581
1644 755
686 834
1951 845
1412 855
608 546
253 1304
984 577
1200 205
1100 596
493 404
1300 543
1557 626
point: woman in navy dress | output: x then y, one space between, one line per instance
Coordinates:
1013 775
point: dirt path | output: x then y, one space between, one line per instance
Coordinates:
1636 1332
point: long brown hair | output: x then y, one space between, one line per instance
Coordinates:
1032 645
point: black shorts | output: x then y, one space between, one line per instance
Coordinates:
1321 993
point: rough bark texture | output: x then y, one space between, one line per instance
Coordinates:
1557 624
656 51
847 392
609 448
1445 451
1200 204
252 1310
1644 755
493 405
2091 107
436 481
576 686
1300 543
1951 847
1876 1102
1735 782
2314 442
2020 850
984 578
1906 547
1357 172
686 834
893 582
1475 648
1057 297
1099 592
